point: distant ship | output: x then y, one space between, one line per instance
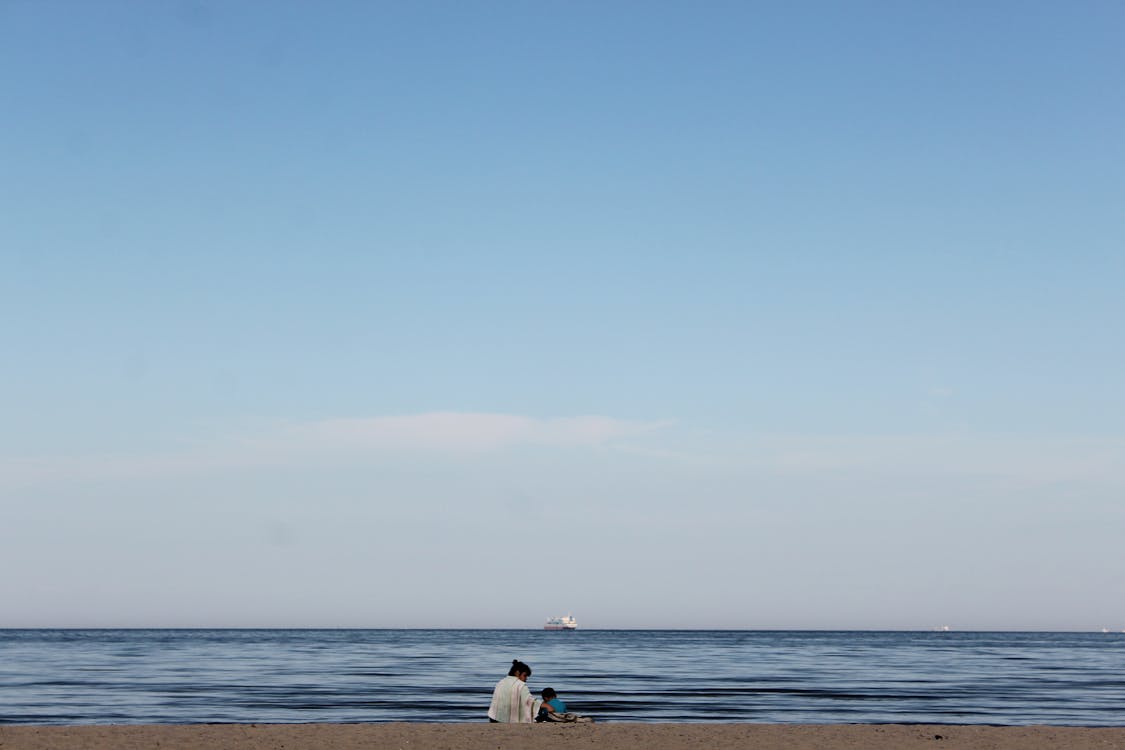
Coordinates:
561 623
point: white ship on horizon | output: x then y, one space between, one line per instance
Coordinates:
561 623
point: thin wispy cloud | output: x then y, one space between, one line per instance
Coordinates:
342 440
462 432
437 437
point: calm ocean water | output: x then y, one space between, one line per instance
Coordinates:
192 676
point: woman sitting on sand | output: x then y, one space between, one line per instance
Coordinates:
512 701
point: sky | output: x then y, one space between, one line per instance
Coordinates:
662 314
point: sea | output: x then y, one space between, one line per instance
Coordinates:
286 676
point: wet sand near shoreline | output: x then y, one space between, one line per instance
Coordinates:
558 737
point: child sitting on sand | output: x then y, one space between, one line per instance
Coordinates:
550 698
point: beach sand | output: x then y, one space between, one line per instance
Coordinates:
558 737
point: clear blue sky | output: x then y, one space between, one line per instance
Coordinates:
725 315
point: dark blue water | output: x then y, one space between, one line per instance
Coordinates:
192 676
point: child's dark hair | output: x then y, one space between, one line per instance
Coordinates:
549 694
518 667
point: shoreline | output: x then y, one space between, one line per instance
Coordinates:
484 736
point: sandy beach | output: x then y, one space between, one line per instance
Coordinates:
556 737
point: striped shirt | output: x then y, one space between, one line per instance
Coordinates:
512 702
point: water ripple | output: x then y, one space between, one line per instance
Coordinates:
208 676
